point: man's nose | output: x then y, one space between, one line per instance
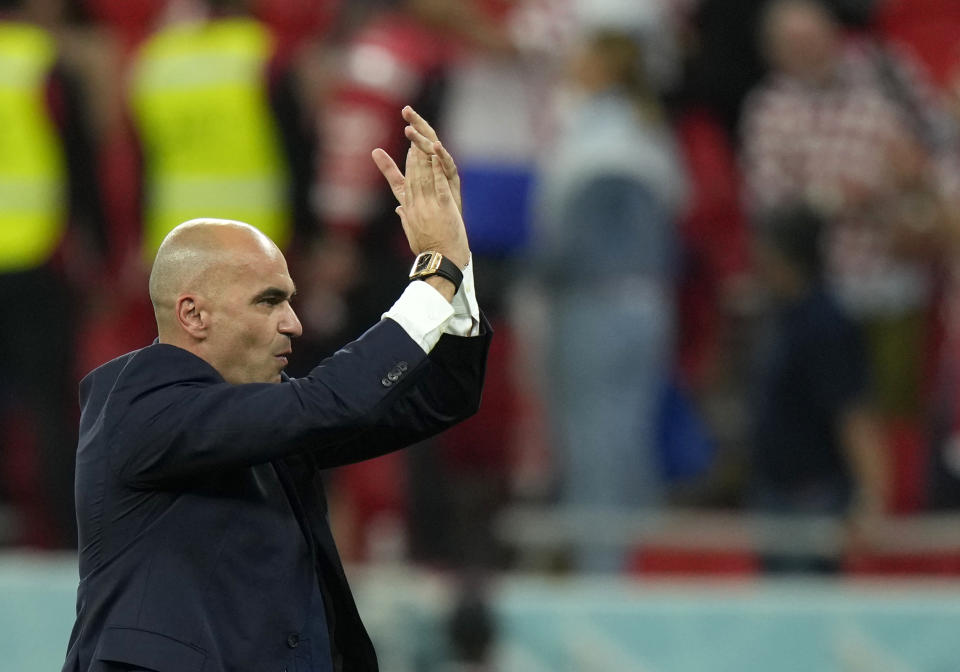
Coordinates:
290 323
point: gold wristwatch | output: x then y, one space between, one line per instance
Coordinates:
428 264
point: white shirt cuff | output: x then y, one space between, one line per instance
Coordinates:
422 312
466 310
425 315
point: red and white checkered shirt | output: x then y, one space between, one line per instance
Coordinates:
837 146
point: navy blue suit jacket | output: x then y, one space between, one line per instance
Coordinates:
195 498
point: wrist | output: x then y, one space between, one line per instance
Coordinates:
434 263
460 257
443 285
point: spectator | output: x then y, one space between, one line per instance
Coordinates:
50 233
606 239
209 81
401 55
725 62
394 57
820 131
203 86
817 447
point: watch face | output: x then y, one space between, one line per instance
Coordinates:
425 264
422 263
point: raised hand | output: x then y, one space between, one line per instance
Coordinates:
428 193
429 215
422 135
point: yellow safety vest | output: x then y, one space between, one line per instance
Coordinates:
211 145
32 167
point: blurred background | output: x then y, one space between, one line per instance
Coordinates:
718 242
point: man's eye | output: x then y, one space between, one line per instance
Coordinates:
270 301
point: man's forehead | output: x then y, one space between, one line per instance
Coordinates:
259 270
255 269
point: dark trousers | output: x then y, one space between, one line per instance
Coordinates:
824 497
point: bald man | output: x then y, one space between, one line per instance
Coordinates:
204 541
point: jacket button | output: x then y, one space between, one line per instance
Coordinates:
293 640
393 376
386 382
402 366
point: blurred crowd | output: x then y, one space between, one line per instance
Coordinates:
716 240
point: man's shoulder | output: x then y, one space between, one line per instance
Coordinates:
156 364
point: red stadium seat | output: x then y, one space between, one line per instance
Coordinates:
942 563
667 561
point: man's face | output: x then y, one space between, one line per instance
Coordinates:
251 320
803 42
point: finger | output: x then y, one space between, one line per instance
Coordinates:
411 117
435 148
446 161
424 174
390 171
450 171
440 184
411 188
423 143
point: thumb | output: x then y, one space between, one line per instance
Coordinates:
411 239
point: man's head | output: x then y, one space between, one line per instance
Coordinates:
611 58
221 290
801 39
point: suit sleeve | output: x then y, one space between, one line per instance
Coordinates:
378 394
447 391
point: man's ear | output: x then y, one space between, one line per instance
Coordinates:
191 318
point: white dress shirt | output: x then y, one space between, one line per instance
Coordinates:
426 315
